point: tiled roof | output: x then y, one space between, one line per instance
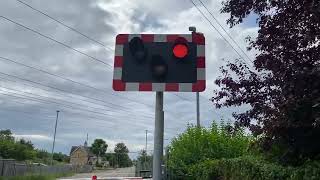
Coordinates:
87 149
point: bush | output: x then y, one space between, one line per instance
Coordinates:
249 167
201 144
36 177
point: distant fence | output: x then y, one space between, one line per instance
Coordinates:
10 167
144 169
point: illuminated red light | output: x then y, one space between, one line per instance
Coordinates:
94 177
180 50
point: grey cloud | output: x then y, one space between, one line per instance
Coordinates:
101 20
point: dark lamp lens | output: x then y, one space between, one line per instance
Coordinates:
160 70
140 55
159 67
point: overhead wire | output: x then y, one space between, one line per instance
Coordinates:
49 101
21 25
217 21
65 45
54 40
65 111
145 115
67 79
222 36
22 96
24 112
43 71
65 91
63 24
107 110
69 93
73 29
215 28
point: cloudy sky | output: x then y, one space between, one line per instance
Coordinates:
29 98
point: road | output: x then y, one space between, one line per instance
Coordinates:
112 174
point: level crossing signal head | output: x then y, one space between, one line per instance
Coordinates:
159 62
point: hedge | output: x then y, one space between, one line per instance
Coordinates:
196 145
249 167
36 177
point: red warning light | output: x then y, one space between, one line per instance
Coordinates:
94 177
180 50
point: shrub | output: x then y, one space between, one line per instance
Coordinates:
36 177
249 167
201 144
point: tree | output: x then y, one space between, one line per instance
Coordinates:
19 150
99 147
60 157
111 158
6 135
283 89
144 160
27 144
121 152
43 154
144 157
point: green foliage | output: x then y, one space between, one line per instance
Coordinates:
110 157
224 154
9 148
200 144
42 154
121 155
250 167
281 88
144 161
23 150
37 177
6 135
98 164
99 147
61 157
143 157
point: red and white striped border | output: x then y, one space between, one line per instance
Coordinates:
199 86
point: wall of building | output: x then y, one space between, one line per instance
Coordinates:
79 157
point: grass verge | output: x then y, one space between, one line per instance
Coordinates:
37 177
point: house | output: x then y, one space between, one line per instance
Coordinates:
82 155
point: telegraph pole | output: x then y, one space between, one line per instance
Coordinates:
194 30
146 141
158 138
54 137
87 137
146 147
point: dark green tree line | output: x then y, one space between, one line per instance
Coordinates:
22 150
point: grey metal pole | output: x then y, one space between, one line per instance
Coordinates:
194 30
145 160
158 138
198 110
54 137
146 141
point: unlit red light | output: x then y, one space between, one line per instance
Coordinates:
180 50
